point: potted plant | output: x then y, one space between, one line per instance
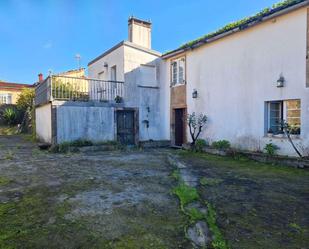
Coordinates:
118 99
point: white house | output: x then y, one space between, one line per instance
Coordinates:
246 78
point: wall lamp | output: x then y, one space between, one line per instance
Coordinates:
194 94
280 81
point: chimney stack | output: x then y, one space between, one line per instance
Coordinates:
41 79
139 32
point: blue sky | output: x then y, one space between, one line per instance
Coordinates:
38 35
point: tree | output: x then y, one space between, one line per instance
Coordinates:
287 129
196 124
25 99
25 103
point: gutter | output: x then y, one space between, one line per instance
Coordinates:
237 29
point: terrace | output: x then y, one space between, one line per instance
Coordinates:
82 89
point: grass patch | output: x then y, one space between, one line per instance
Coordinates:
209 181
218 241
186 194
8 130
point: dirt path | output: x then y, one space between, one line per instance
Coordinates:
94 200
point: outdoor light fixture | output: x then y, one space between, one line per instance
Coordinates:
105 64
194 94
280 81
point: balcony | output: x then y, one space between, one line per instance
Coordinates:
67 88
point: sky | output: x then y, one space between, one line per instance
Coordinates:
37 36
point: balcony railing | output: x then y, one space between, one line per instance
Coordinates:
77 89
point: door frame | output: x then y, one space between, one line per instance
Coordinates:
135 121
173 125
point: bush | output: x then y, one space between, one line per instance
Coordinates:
26 99
200 144
271 149
221 144
10 116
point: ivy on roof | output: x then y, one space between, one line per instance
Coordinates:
243 22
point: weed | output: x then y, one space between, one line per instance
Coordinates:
221 145
271 149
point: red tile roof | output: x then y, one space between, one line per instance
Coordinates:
13 86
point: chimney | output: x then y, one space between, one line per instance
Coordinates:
139 32
41 79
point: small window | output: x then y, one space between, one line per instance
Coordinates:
279 111
113 73
101 75
178 71
6 98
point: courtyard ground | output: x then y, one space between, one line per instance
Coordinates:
123 199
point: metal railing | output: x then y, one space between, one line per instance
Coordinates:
78 89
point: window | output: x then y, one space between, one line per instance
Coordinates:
287 110
101 75
5 98
113 73
178 71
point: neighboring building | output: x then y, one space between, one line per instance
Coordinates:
9 91
246 78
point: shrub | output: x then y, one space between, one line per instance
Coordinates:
200 144
271 149
221 144
10 116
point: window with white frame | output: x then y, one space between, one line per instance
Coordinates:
5 98
178 71
287 110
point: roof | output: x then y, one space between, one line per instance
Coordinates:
125 43
13 86
248 22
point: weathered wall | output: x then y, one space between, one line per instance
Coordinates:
85 122
43 123
234 77
144 91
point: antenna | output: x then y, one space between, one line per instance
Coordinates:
78 58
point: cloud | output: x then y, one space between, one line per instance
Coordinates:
48 45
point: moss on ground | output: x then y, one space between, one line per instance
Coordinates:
186 194
218 241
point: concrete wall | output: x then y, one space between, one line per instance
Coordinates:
234 77
143 90
43 123
85 122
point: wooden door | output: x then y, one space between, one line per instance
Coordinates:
179 126
125 127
